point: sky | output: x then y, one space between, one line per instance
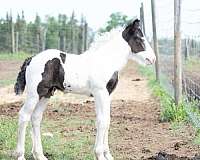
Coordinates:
97 12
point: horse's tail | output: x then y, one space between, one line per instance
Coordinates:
21 78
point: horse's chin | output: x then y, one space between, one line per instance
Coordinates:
143 58
138 59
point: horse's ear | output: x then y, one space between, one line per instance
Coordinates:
136 24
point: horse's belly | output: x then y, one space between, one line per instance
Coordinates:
75 83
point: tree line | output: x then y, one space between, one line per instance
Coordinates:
63 32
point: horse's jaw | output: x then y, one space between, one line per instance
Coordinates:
143 58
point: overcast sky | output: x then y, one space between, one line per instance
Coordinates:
97 11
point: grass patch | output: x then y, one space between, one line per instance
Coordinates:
192 63
169 110
178 115
64 145
6 82
14 56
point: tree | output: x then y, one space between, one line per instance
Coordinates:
21 29
72 24
32 37
116 19
62 20
52 33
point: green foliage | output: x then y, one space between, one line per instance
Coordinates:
169 110
52 33
116 19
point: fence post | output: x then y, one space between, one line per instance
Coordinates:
186 49
17 42
85 36
177 52
44 32
12 34
155 41
38 42
142 18
62 41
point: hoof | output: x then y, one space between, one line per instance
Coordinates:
108 156
39 157
101 158
21 158
18 155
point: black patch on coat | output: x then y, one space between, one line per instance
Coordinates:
112 83
52 79
21 78
63 57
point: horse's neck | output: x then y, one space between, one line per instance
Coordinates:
113 54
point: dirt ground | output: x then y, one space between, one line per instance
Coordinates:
136 132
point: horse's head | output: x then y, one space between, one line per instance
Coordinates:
141 50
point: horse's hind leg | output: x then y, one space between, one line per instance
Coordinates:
24 118
36 119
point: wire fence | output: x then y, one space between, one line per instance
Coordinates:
190 45
190 48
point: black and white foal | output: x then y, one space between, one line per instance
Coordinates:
94 72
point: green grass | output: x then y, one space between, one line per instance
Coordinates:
192 63
178 115
169 110
62 146
6 82
14 56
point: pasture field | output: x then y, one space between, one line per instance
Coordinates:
68 127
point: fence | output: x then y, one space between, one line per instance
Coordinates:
190 54
190 46
190 51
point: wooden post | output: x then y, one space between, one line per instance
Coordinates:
44 32
17 42
62 41
155 41
85 36
177 52
12 34
142 18
186 49
38 42
81 36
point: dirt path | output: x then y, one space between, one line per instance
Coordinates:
136 132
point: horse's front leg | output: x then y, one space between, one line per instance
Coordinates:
107 153
102 105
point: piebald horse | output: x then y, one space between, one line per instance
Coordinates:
93 73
